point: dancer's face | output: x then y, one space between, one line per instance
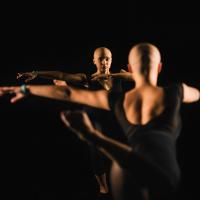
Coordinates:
102 60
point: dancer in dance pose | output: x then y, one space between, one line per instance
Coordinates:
102 59
145 166
102 120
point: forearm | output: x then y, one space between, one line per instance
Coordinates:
49 91
50 74
65 93
127 76
80 77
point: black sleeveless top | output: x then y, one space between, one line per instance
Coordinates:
155 141
101 118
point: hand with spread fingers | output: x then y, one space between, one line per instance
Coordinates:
27 75
16 90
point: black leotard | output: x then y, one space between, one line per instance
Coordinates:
105 122
154 142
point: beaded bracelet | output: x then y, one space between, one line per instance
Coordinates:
24 90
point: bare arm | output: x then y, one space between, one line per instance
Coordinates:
98 99
123 75
75 78
190 94
126 76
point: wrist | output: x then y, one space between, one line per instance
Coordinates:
24 89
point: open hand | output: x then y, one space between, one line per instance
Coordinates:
12 90
27 75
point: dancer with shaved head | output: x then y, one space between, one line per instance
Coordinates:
102 120
102 59
144 167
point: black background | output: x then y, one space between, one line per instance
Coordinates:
37 148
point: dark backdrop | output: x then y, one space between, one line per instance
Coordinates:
36 145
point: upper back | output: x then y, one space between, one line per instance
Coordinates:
143 104
149 109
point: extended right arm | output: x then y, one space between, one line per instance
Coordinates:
98 99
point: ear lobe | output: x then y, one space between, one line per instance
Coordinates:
159 67
129 68
94 61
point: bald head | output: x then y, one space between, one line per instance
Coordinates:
102 51
145 60
144 53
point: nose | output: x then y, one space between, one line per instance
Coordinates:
103 62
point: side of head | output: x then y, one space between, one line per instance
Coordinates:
102 59
144 60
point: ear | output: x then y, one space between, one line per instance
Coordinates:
159 67
94 61
129 68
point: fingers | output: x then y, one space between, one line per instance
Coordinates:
28 75
19 75
17 98
7 89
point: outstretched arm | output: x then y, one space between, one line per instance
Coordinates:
123 75
190 94
75 78
98 99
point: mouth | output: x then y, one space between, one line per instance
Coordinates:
104 67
